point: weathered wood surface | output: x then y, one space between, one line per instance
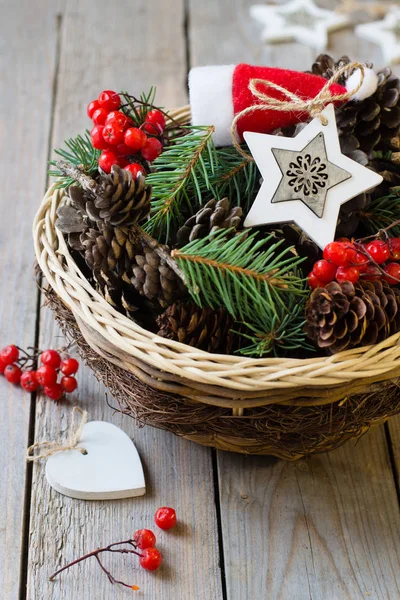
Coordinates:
118 46
25 117
326 528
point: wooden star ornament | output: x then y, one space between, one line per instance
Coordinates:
306 178
298 20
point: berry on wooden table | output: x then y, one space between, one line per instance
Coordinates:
107 160
165 517
152 149
69 366
9 354
46 375
2 366
144 538
135 169
51 358
109 100
13 373
150 559
68 383
135 139
55 391
29 381
379 251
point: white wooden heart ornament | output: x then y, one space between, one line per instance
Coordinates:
111 469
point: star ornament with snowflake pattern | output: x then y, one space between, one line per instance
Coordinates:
306 178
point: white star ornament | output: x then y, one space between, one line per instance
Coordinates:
298 20
385 33
306 178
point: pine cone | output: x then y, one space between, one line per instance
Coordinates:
202 328
342 315
119 200
209 218
326 66
368 124
117 254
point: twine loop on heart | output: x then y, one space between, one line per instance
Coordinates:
293 102
48 448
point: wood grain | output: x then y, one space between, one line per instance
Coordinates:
122 45
25 109
326 528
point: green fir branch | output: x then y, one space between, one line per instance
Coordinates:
135 109
80 153
176 181
381 213
240 273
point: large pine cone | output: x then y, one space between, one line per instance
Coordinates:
121 256
368 124
120 200
211 217
202 328
342 315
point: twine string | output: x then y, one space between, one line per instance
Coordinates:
292 102
48 448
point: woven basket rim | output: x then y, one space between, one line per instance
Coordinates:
228 371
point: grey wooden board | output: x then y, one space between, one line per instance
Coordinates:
25 116
325 529
121 45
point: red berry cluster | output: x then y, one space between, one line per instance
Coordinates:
12 363
344 260
150 557
121 143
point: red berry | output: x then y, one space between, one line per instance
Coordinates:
13 373
379 251
324 271
336 253
46 375
118 118
394 245
152 149
135 138
9 354
150 559
99 116
144 538
55 391
97 138
2 366
361 261
113 134
51 358
348 274
91 107
165 517
69 366
135 169
29 382
107 160
68 384
155 120
351 252
371 273
122 162
124 150
314 282
393 271
109 100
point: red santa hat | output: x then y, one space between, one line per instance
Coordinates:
218 93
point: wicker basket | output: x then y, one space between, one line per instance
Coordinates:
284 407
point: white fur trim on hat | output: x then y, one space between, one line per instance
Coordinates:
211 103
368 87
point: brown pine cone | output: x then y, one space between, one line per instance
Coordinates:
202 328
342 315
211 217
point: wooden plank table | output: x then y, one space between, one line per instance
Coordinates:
252 527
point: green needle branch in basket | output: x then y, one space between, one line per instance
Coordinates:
382 212
80 153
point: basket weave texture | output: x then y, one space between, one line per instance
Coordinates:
284 407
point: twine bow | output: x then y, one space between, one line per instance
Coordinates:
292 102
49 448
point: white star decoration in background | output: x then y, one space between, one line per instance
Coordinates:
298 20
385 33
316 180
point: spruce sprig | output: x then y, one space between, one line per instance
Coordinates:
137 110
382 212
80 153
176 179
239 273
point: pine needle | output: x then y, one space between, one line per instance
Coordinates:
80 153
